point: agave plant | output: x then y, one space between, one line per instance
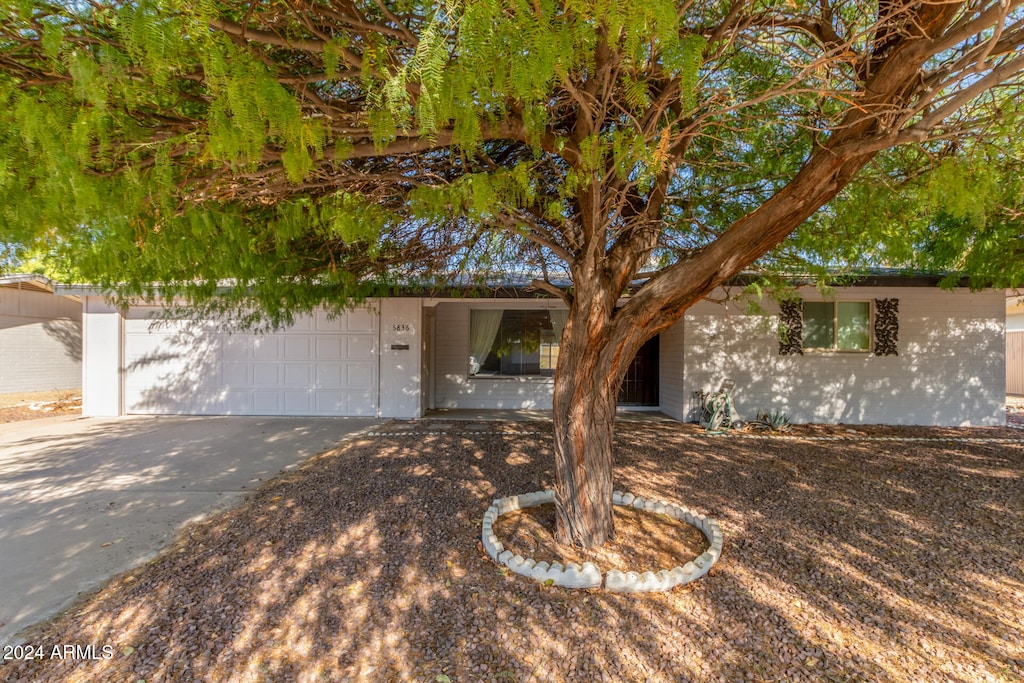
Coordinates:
774 421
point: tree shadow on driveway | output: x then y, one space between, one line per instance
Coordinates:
82 500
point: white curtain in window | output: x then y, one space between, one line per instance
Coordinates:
483 328
558 319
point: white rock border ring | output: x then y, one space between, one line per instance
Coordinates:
588 575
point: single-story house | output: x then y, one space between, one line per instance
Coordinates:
40 336
889 349
1014 343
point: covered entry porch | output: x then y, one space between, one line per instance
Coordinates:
501 355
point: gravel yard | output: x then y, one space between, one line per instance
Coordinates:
1015 411
857 559
37 404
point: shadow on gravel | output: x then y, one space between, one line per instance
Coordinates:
844 561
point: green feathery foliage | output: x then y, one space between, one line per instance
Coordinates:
960 216
195 144
266 158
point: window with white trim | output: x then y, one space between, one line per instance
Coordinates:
514 342
837 326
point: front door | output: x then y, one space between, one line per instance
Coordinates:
640 385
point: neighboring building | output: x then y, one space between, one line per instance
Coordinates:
40 336
1014 343
892 349
1014 312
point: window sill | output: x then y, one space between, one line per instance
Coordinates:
837 352
514 378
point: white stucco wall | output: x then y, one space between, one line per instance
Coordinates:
949 370
401 357
102 338
454 388
40 341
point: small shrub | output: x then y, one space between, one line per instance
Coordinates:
64 398
774 421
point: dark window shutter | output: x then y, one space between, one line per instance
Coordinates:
791 328
887 327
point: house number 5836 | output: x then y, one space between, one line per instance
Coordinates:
402 327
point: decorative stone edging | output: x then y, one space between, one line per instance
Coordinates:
588 575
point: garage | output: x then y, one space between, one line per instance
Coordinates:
367 362
321 366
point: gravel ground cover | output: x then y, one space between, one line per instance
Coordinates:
1015 411
643 541
852 560
36 404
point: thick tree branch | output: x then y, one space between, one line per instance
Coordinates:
267 38
551 289
923 128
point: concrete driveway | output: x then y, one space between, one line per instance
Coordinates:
83 499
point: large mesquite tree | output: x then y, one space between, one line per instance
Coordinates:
303 151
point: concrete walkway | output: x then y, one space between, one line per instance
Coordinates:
83 499
631 415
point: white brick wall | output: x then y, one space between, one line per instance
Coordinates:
40 341
950 368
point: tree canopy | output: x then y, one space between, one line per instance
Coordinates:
322 143
305 152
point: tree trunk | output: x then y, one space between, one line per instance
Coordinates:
584 419
591 363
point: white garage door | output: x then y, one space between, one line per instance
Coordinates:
319 366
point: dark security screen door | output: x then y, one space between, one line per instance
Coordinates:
640 386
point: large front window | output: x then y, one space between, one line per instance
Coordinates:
514 343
